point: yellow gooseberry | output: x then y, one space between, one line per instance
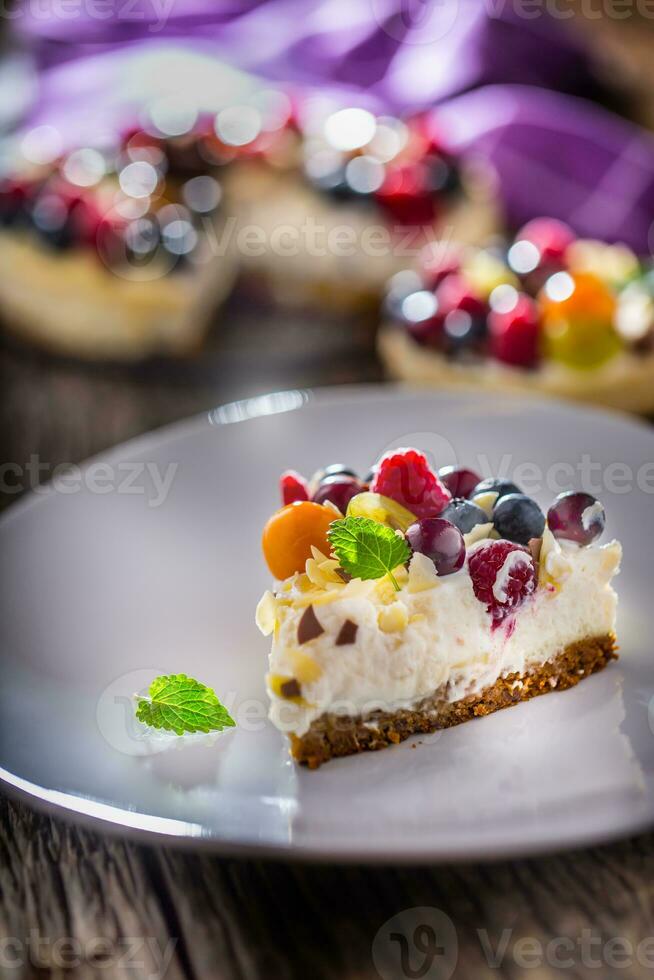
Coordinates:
290 533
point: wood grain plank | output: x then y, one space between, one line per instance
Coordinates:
255 919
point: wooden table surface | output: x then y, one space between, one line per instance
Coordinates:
79 904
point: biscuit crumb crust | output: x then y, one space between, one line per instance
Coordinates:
331 736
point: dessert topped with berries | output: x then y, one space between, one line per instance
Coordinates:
416 599
547 312
111 249
132 245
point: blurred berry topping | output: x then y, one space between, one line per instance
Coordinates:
421 315
549 237
463 315
405 476
456 293
513 328
576 516
546 295
518 518
503 577
14 202
459 480
440 260
407 196
578 319
440 541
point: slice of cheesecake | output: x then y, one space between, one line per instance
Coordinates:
488 603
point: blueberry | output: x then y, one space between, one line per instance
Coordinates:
493 485
518 518
464 514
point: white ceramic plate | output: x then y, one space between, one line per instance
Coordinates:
108 581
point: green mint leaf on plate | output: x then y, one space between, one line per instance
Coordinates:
182 705
367 549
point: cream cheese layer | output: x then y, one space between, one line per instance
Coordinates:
433 634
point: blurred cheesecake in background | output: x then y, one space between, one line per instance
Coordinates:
111 253
128 251
547 312
342 198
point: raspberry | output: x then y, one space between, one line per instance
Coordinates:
293 487
405 476
501 586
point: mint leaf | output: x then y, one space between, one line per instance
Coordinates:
181 704
367 549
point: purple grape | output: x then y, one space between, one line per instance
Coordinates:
459 480
576 516
339 490
439 540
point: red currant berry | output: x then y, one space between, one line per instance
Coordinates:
293 487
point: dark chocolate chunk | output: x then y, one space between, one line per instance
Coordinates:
347 633
342 574
290 689
308 628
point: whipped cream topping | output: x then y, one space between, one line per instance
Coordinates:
432 634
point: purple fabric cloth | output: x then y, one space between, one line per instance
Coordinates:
408 53
560 156
501 83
